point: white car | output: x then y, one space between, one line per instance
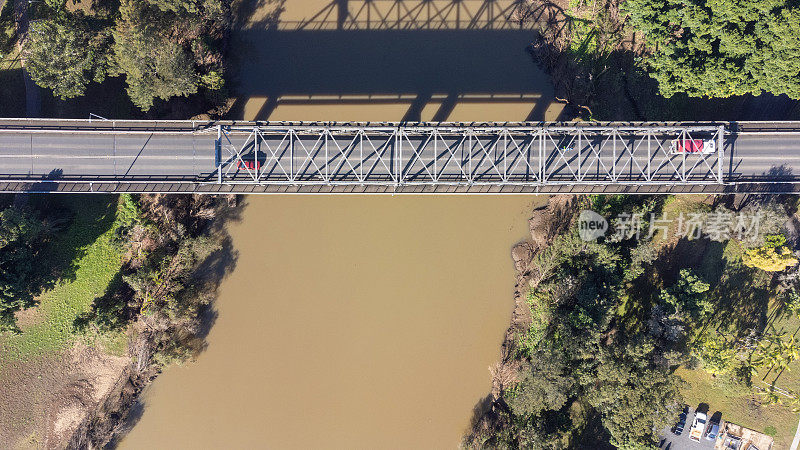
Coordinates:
698 426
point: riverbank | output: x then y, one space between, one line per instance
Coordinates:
138 279
609 339
546 222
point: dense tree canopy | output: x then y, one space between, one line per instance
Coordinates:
579 356
163 48
155 66
546 386
612 320
63 54
633 393
20 242
720 48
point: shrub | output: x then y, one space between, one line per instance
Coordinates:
773 256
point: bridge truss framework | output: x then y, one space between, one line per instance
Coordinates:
484 155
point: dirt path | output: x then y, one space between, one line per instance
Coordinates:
45 399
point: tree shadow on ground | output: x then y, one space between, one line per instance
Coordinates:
740 294
71 224
110 311
741 301
594 436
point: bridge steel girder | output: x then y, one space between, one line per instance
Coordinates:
398 156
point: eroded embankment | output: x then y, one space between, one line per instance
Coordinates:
144 272
177 253
545 223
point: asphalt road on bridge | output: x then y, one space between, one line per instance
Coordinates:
171 155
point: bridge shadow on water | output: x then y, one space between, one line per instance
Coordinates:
409 60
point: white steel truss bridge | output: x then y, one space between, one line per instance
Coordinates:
68 155
398 156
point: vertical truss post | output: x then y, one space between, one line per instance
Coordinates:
398 152
505 157
218 154
580 145
361 154
292 176
434 134
683 138
257 148
542 168
469 156
720 157
614 155
327 162
649 176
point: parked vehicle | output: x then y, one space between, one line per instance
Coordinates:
698 426
713 429
678 427
703 146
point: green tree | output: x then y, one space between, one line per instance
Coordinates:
717 355
688 295
634 395
154 65
171 301
20 242
546 386
720 48
63 54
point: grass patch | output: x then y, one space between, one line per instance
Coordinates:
744 298
88 246
742 405
738 405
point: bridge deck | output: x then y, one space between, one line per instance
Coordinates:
45 155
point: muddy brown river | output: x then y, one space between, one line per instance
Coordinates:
349 322
359 322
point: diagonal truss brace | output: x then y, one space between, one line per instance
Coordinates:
449 154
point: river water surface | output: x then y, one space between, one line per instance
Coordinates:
349 322
359 322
